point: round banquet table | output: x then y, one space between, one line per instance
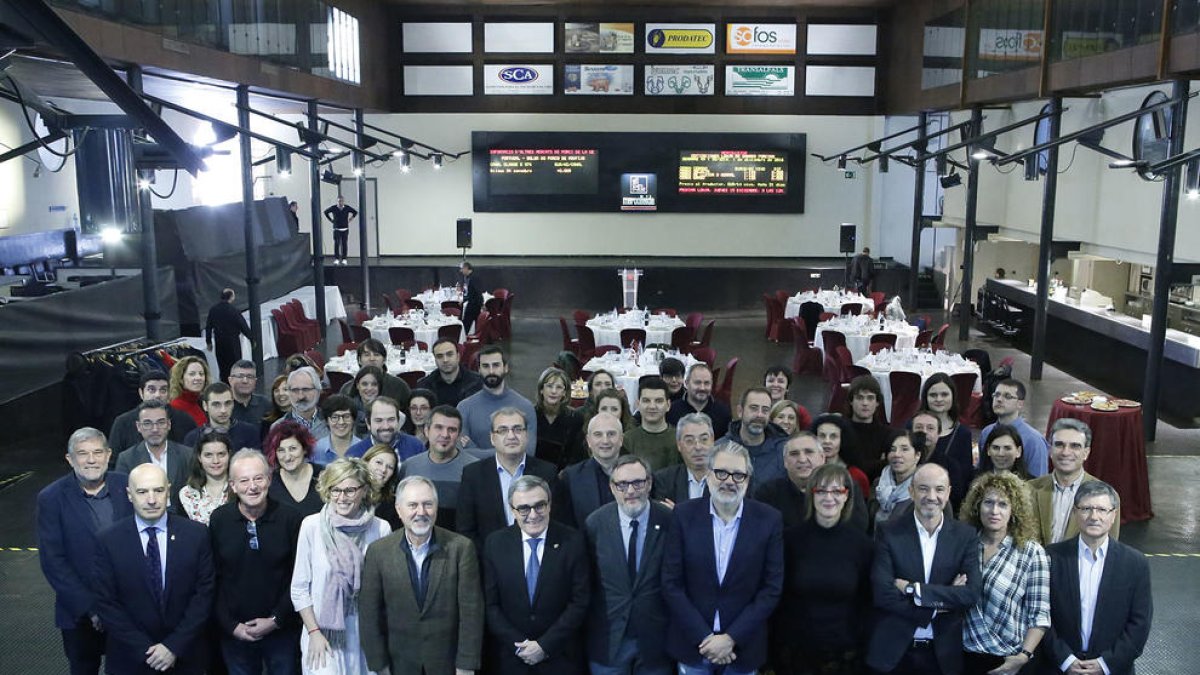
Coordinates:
831 301
922 363
607 328
626 372
858 332
424 329
413 360
1118 455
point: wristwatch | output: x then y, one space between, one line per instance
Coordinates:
910 589
1028 654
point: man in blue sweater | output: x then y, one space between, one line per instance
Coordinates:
477 408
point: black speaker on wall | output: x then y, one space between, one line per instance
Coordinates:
464 232
849 234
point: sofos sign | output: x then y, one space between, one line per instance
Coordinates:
760 38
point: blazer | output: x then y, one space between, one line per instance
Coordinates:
1124 608
672 483
67 543
1041 492
435 638
179 466
746 598
132 621
480 504
124 433
584 488
560 601
621 608
898 556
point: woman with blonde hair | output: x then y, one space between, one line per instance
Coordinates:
559 426
1002 632
189 377
328 571
385 471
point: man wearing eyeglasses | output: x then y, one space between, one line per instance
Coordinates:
1008 402
254 547
153 385
585 484
1100 600
1053 495
627 625
175 459
722 572
688 479
304 389
535 588
248 405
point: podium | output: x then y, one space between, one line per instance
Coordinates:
629 287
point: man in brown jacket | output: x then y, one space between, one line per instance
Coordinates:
420 604
1053 494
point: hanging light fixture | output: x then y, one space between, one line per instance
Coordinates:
283 162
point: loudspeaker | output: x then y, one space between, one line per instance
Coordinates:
464 232
849 234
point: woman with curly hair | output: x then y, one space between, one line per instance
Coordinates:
1002 632
328 571
189 377
289 450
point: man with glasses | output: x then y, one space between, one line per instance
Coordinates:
248 405
627 625
304 389
451 383
585 485
1053 495
483 504
217 401
153 385
1008 402
175 459
1100 600
70 512
535 588
254 548
722 572
478 408
689 479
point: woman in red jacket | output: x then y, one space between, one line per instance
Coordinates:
189 377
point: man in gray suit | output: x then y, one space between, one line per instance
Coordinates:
154 424
420 605
627 624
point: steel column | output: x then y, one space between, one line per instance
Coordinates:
318 226
151 310
968 259
1045 244
914 271
243 106
361 162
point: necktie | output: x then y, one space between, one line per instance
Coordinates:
633 550
154 565
532 569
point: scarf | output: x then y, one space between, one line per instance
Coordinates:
343 541
889 494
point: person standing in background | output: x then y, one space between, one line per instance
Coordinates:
340 216
861 271
224 328
472 296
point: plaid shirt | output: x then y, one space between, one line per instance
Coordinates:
1016 596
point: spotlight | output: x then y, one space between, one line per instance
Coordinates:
1031 167
111 235
328 176
981 154
143 184
1192 179
283 162
953 180
437 162
841 164
356 161
405 162
940 163
883 164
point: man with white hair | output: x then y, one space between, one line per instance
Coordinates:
420 607
304 389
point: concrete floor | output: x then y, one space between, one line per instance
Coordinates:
30 644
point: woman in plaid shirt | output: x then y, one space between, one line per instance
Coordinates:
1002 632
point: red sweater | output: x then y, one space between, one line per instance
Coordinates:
189 403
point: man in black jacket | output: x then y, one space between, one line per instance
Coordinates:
340 215
225 327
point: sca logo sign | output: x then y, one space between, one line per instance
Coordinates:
761 38
517 74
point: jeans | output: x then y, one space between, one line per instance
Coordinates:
628 663
84 646
280 651
340 239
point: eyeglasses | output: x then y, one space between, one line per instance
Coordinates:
1094 510
252 530
341 417
249 376
154 424
626 485
828 492
301 390
737 476
347 492
504 431
526 509
1006 397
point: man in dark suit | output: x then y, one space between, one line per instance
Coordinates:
535 586
420 609
154 584
224 328
627 625
585 484
153 385
688 480
482 497
722 573
472 296
70 511
154 424
925 577
1100 602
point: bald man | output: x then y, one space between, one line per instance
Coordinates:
154 583
920 607
585 484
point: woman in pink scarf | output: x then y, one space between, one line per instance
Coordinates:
329 558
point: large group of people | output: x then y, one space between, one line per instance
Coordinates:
463 527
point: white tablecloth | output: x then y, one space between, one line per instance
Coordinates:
334 309
920 362
607 327
858 331
627 372
413 360
831 301
424 328
433 299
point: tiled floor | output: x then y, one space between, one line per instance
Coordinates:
30 644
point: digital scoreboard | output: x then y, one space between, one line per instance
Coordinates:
733 172
543 171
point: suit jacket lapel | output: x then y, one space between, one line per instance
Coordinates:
492 492
653 534
1108 577
405 586
550 556
1046 510
1070 576
437 570
613 533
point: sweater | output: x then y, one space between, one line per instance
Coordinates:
826 586
477 412
657 448
189 402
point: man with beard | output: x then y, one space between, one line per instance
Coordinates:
254 550
420 609
722 572
754 432
451 383
699 398
383 424
585 485
154 424
477 409
304 389
681 482
443 463
217 401
535 586
627 625
154 385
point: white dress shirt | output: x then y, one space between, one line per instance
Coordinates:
160 535
1091 570
724 538
1062 500
506 480
928 550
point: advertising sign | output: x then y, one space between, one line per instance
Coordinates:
760 80
598 80
679 80
599 38
760 38
1010 45
518 80
681 38
639 192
